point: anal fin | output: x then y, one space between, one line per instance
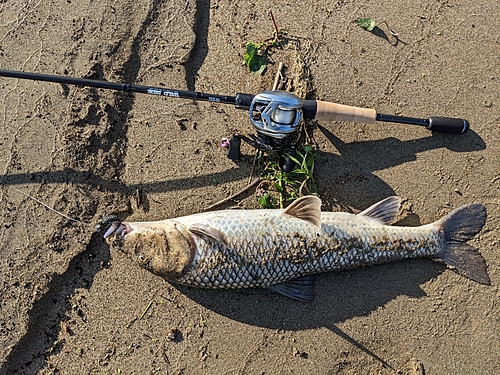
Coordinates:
300 289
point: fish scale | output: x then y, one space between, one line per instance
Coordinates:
277 247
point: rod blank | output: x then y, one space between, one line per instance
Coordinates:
120 86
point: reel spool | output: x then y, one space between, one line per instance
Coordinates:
275 115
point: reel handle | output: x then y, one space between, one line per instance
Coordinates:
233 151
288 163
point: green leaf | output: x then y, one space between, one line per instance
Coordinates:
366 23
262 68
279 188
267 201
250 51
295 160
253 58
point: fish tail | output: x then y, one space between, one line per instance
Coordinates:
458 227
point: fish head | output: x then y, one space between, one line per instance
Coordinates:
163 248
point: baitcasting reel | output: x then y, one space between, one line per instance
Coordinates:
275 115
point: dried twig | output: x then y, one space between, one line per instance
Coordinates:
390 30
46 206
145 310
233 196
274 24
253 166
279 76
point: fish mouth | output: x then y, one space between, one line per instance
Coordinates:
118 229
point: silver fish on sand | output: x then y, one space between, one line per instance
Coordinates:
283 249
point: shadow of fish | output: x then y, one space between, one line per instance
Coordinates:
283 249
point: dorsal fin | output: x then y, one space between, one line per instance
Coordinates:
385 212
306 208
204 230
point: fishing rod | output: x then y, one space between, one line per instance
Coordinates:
274 114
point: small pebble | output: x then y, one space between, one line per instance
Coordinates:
172 334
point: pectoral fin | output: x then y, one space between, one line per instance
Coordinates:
204 230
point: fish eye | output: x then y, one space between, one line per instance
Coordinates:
142 258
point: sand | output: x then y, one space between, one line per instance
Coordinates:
69 305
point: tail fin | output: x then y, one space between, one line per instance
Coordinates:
458 227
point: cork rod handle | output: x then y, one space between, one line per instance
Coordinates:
327 111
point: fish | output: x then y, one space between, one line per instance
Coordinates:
283 249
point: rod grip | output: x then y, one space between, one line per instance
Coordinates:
448 125
327 111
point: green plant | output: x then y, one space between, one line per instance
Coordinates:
256 54
304 166
254 57
279 187
266 200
